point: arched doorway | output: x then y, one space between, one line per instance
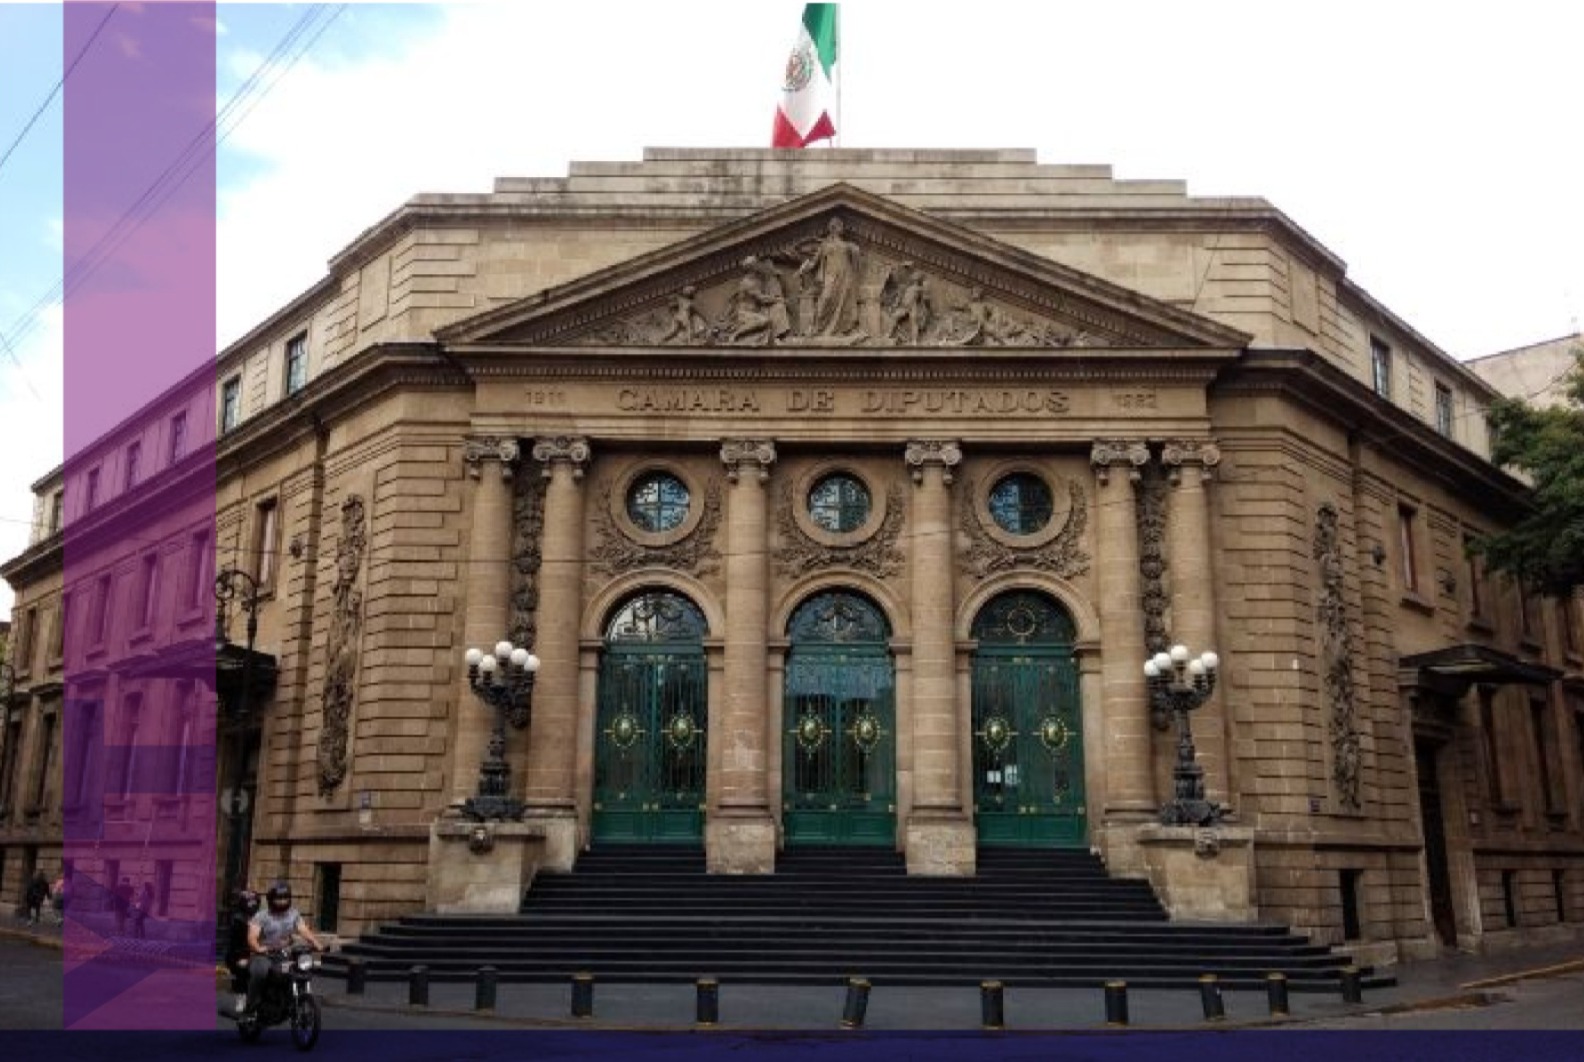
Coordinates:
650 738
839 748
1027 724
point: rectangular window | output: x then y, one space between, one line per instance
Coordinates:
1352 929
1493 771
87 750
46 752
57 633
1443 409
176 766
1559 893
327 896
296 363
149 584
12 757
101 623
1538 730
162 887
1381 367
266 532
92 490
1476 581
178 437
230 403
1528 613
197 568
1510 896
134 456
24 646
126 762
1405 546
57 504
1567 613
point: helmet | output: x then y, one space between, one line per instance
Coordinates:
279 896
247 901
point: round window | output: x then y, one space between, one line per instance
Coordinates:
1020 503
658 501
839 503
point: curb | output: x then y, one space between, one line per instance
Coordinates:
37 940
1557 970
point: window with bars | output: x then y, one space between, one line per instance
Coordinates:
839 503
658 501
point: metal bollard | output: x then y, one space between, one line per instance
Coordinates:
992 1012
357 976
418 986
857 1003
1116 1003
484 993
582 995
1276 992
708 1009
1352 988
1210 998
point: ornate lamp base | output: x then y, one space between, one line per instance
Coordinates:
1198 812
487 808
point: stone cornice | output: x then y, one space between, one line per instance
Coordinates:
44 557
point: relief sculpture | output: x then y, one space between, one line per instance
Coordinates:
615 552
346 622
878 554
1150 502
1062 555
1335 660
528 493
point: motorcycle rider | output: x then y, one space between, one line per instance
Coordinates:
271 930
243 907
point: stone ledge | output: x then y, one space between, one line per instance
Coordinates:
1202 873
482 867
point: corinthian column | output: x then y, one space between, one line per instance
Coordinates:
939 835
1130 788
552 739
489 460
740 834
1190 466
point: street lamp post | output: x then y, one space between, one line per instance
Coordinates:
504 681
234 584
1179 685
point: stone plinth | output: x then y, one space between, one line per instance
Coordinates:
941 846
482 868
1202 874
739 844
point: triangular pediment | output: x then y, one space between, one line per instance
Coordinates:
840 268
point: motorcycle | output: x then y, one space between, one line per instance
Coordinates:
287 997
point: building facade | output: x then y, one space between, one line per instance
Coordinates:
842 497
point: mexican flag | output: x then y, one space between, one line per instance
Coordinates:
808 98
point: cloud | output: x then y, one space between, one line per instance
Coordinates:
33 429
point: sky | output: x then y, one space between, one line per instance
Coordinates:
1433 147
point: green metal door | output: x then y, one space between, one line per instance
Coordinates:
839 713
650 739
1027 725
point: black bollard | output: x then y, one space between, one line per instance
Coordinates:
582 995
357 976
1116 1002
1352 989
857 1003
1276 992
992 1012
418 986
708 1009
1210 998
484 993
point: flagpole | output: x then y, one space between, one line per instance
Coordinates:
841 50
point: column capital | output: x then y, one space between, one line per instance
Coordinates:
477 449
747 455
944 452
1177 453
571 450
1132 453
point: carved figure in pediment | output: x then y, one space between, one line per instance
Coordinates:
687 324
904 297
833 262
750 319
773 292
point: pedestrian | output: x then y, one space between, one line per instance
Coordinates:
141 908
120 903
37 893
58 898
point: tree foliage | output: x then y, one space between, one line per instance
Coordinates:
1545 549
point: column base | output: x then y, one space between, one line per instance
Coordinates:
1202 874
740 842
560 830
481 867
941 844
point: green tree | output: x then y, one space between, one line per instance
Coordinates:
1546 548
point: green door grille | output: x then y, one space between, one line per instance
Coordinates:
650 737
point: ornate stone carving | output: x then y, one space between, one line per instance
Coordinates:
1063 555
798 553
1336 661
1132 453
571 449
947 454
480 448
615 552
1150 505
341 650
754 455
1179 452
528 493
1207 844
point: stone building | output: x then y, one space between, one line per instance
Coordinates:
1535 373
842 497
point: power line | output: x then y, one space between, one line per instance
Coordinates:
56 90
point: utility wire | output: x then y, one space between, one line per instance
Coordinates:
56 90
